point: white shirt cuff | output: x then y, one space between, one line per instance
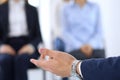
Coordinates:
80 69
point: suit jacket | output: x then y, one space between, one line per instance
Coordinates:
101 69
32 23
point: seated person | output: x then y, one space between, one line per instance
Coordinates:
19 38
81 30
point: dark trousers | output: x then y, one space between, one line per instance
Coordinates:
97 53
15 67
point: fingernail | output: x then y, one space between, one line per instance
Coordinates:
31 60
42 50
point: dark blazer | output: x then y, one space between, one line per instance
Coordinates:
32 23
101 69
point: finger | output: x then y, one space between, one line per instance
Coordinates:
41 50
41 63
47 52
35 62
42 57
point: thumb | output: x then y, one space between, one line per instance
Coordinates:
35 62
47 52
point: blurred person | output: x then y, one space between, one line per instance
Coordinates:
81 30
65 65
19 38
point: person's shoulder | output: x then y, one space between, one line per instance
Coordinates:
93 6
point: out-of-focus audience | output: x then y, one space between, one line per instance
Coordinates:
19 37
77 30
81 30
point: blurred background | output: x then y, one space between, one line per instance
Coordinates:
110 17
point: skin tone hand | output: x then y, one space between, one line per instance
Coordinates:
59 63
7 49
87 50
26 49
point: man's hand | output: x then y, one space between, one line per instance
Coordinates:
87 50
59 63
29 49
7 49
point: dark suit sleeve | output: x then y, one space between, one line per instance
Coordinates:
101 69
38 37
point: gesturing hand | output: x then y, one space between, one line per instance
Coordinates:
58 63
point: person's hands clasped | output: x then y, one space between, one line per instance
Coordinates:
87 50
26 49
58 63
7 49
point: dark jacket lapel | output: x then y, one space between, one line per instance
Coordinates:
5 17
28 16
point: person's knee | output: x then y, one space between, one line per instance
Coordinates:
21 59
6 59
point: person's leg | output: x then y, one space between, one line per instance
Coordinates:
99 53
65 78
78 54
22 64
0 73
81 56
6 65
